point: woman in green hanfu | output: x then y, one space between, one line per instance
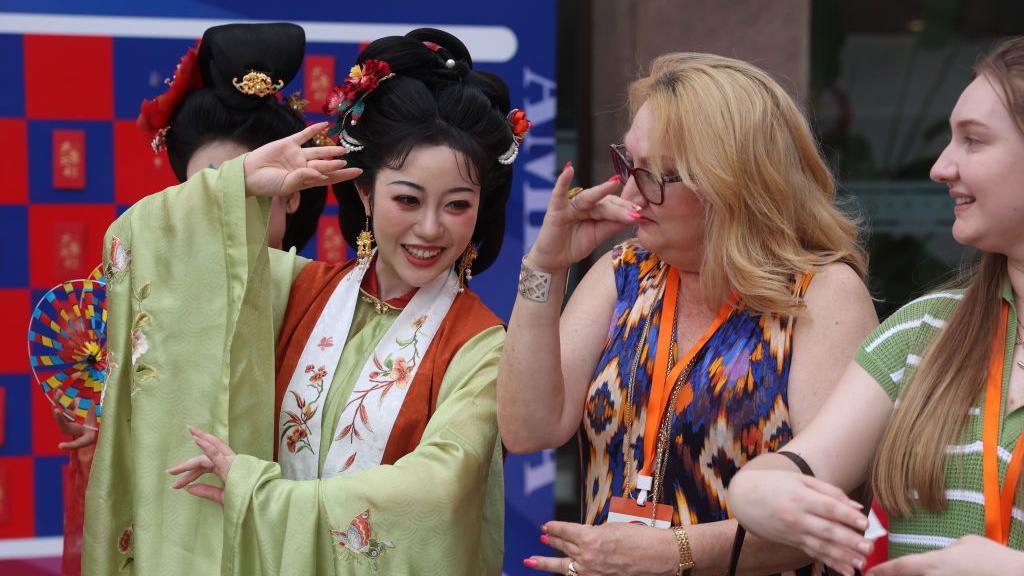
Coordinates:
201 123
345 414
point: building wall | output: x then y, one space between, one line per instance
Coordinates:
627 34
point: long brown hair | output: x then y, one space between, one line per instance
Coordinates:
933 408
739 141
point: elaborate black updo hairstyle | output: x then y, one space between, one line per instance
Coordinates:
429 102
219 111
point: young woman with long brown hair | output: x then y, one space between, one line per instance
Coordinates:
929 413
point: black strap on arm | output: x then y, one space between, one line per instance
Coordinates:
741 533
800 463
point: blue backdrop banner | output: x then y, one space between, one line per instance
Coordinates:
51 229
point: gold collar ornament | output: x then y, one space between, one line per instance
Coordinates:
257 84
379 305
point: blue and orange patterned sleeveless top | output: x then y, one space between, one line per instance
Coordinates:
739 407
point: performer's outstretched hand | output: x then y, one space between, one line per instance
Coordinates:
284 167
217 458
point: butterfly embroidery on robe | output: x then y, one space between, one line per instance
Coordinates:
359 539
120 256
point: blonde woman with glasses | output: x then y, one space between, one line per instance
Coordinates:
708 339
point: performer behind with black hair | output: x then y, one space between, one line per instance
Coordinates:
203 120
217 108
372 445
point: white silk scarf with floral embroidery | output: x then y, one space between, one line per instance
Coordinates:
372 407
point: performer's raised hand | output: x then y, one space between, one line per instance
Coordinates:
284 167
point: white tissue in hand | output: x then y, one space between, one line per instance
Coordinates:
875 529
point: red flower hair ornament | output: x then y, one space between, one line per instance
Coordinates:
155 115
520 125
349 100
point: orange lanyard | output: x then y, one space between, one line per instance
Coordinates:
662 380
998 503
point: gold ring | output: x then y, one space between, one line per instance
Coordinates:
572 567
575 191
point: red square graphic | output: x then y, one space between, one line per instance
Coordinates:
330 244
138 171
318 80
14 162
45 433
69 159
17 497
13 330
65 241
69 77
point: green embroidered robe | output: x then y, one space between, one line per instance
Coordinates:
199 303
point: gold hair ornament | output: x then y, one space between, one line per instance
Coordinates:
297 103
257 84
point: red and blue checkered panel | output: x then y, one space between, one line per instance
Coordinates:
72 161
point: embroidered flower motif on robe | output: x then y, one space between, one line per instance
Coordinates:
124 546
295 430
392 372
140 345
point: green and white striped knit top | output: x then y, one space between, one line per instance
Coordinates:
891 354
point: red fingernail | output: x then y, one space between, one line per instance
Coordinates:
615 178
529 562
635 215
544 538
567 166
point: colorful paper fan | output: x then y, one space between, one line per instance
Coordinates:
97 273
67 346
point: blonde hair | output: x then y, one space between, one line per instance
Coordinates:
740 142
934 405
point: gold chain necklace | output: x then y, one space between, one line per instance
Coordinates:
665 426
629 471
628 445
379 305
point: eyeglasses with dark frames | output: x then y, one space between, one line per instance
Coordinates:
652 187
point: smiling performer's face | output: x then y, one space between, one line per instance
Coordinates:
423 216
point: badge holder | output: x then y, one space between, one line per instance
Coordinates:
640 511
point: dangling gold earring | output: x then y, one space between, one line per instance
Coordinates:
466 267
364 245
